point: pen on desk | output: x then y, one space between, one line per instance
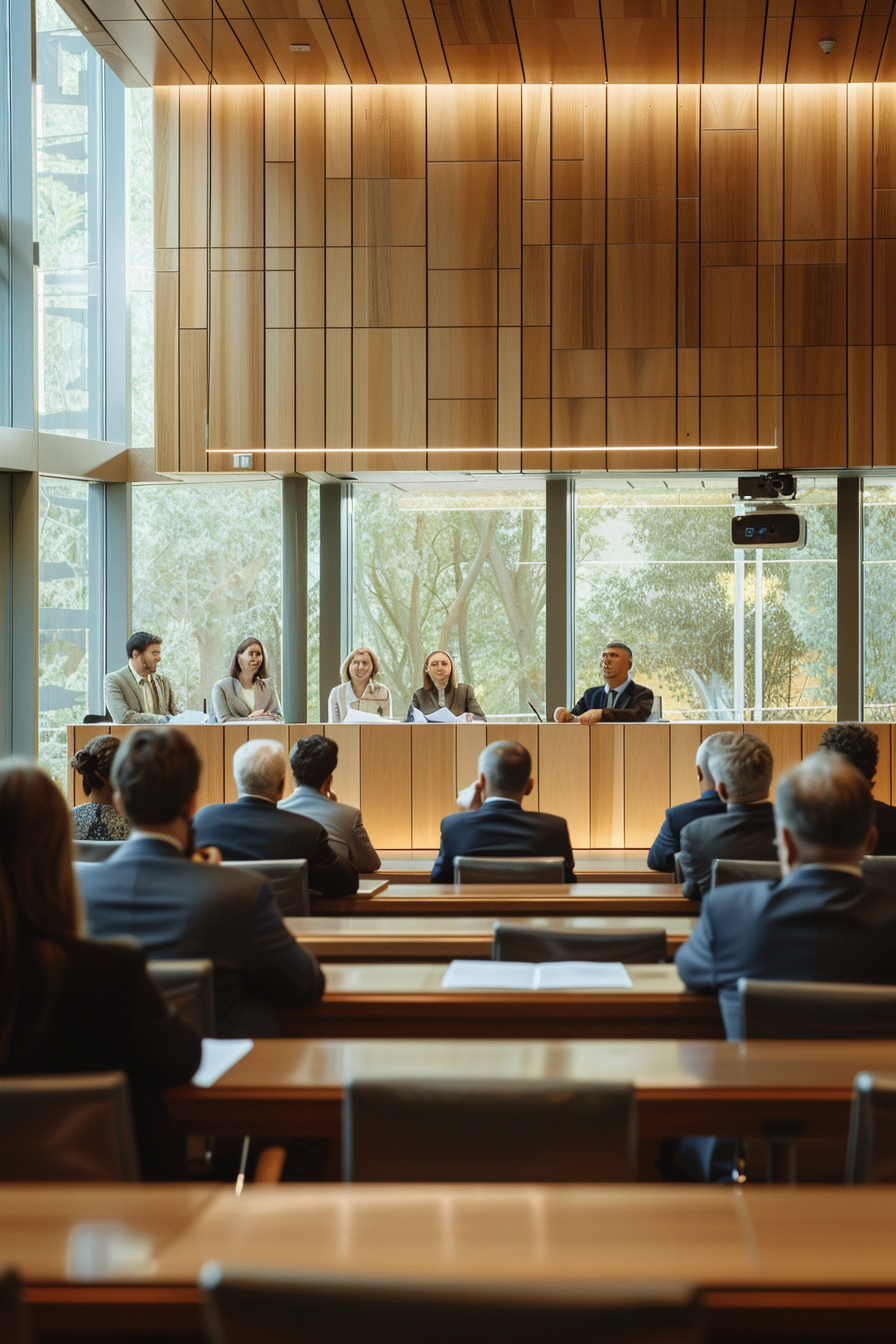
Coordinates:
244 1158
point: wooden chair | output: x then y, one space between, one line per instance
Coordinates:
514 942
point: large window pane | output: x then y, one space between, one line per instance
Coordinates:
63 624
140 267
655 567
206 574
879 572
463 572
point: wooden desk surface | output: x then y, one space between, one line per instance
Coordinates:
438 937
406 1000
583 898
592 865
777 1257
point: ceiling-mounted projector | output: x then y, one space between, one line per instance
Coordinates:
764 521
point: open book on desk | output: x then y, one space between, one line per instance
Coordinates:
549 975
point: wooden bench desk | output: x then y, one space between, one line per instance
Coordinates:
437 938
294 1088
583 898
592 865
804 1262
406 1000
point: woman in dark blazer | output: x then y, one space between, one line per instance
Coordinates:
247 692
442 688
68 1004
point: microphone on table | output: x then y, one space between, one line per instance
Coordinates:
535 711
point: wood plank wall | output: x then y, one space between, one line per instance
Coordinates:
548 276
612 782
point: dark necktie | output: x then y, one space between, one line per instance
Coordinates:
154 691
611 699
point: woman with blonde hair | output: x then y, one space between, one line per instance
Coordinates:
442 690
360 690
69 1004
97 819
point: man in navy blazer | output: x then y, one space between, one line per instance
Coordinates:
149 890
668 841
254 827
619 700
823 920
495 824
746 830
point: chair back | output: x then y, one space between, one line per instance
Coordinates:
677 870
725 872
881 867
288 879
97 718
248 1306
656 713
189 988
791 1010
94 851
75 1127
13 1321
435 1129
473 868
516 942
871 1156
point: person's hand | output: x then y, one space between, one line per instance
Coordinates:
591 716
207 854
562 715
470 798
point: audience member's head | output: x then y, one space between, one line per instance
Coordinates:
259 768
857 743
438 670
361 664
313 760
39 903
506 769
144 652
156 776
824 812
743 769
707 749
249 657
93 762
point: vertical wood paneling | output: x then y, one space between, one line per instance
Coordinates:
348 778
236 395
434 785
309 166
563 765
646 781
386 784
237 167
470 743
193 168
280 394
815 161
310 384
388 132
527 735
339 389
193 400
684 740
785 741
166 167
389 396
607 785
167 357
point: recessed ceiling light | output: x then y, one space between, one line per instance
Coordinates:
300 46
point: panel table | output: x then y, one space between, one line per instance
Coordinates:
402 1000
582 898
803 1262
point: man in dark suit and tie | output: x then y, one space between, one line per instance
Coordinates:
495 824
859 745
149 890
254 827
668 842
821 920
746 829
619 700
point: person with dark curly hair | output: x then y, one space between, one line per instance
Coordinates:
97 819
860 747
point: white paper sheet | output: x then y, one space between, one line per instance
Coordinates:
358 716
416 715
545 975
444 715
189 716
217 1058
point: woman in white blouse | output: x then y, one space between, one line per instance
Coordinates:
248 693
359 689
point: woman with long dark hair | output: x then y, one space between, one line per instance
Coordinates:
247 692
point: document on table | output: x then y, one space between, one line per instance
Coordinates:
532 975
358 716
442 715
189 716
217 1058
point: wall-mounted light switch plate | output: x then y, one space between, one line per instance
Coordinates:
242 461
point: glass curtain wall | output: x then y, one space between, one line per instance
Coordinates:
141 403
206 574
719 633
458 571
879 607
63 635
6 188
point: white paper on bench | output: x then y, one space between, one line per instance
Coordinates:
536 975
358 716
217 1058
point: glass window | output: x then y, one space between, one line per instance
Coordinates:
655 567
464 572
140 267
5 218
206 574
63 623
879 606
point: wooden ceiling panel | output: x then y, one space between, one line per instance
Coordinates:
429 49
178 41
321 65
391 49
147 52
808 63
869 48
475 22
499 64
641 51
560 50
733 49
351 49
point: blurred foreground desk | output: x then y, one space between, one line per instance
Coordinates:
295 1088
124 1260
407 1001
582 898
439 938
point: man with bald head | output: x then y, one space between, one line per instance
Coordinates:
668 842
823 920
494 824
255 828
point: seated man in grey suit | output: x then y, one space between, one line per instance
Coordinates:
746 829
254 827
149 890
138 693
859 745
822 920
313 761
495 824
668 841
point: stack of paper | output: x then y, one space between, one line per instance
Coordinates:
536 975
357 716
217 1057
